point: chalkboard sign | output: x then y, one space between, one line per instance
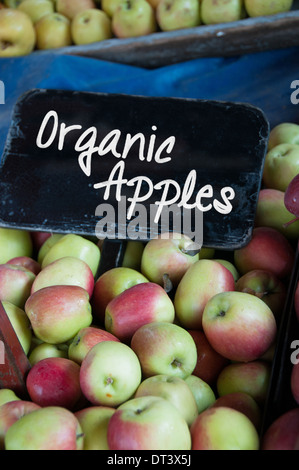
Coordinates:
128 167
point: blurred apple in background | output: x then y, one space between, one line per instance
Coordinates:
49 428
164 348
244 403
17 34
14 243
70 8
283 433
90 26
202 392
133 254
38 238
36 9
46 350
57 313
94 423
284 133
136 306
12 3
203 280
85 339
222 11
148 423
295 382
173 389
223 428
257 8
110 374
110 6
26 262
53 31
281 166
133 18
15 284
20 323
178 14
239 326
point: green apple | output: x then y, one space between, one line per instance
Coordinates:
20 323
222 11
133 254
281 166
173 389
178 14
223 428
94 422
110 374
206 253
284 133
70 8
53 31
12 3
36 9
164 348
76 246
257 8
203 393
244 403
110 6
45 350
148 423
14 242
49 428
134 18
46 245
90 26
17 34
230 266
7 395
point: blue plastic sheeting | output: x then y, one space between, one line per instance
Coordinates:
262 79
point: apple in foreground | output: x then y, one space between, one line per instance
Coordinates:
90 26
141 304
15 284
13 242
202 392
203 280
222 11
94 423
36 9
239 326
283 433
70 8
20 323
178 14
252 378
110 374
49 428
173 389
53 31
164 348
133 18
281 166
17 36
57 313
223 428
295 382
284 133
85 339
244 403
257 8
148 423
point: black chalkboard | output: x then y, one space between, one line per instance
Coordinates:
63 146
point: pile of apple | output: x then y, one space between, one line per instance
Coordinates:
27 25
171 350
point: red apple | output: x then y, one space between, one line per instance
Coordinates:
38 239
15 284
54 381
244 403
85 339
295 382
141 304
283 433
27 262
268 249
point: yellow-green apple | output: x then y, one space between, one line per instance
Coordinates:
134 18
283 432
70 8
76 246
110 373
45 350
7 395
202 280
49 428
257 8
209 362
85 339
265 285
178 14
45 244
167 256
90 26
223 428
13 243
10 413
284 133
230 266
173 389
12 3
204 394
17 34
164 348
110 6
15 284
243 402
20 323
281 166
110 284
94 423
271 212
53 31
136 306
133 254
148 423
36 9
206 253
222 11
57 313
248 377
27 262
154 3
239 326
69 271
295 382
268 249
54 381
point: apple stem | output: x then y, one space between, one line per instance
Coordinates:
176 363
167 284
290 222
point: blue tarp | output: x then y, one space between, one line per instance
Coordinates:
261 79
